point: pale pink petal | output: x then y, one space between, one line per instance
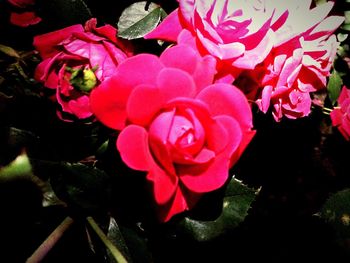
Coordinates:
251 58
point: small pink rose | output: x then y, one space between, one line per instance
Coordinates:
341 115
76 60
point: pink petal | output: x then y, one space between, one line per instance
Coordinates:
47 43
182 200
80 107
140 110
21 3
108 102
225 99
168 29
24 19
140 69
164 185
188 61
132 143
202 69
205 71
206 178
247 136
175 83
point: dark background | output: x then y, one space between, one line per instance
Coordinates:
297 164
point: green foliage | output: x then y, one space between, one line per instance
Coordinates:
85 189
20 167
235 205
139 19
334 85
336 211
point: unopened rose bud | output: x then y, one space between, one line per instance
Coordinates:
83 79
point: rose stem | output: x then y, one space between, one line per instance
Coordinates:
50 241
113 249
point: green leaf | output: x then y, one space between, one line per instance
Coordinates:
20 167
9 51
334 85
115 236
137 244
85 189
139 19
336 211
235 205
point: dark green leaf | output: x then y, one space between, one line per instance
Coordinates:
137 244
334 85
336 211
116 237
235 205
83 188
139 19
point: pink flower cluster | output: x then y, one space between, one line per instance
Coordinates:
285 49
184 117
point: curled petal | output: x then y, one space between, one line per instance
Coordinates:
225 99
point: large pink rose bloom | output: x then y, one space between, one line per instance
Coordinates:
341 115
238 33
178 127
75 60
300 61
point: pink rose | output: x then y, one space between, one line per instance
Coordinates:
26 17
238 33
299 64
175 125
341 115
75 60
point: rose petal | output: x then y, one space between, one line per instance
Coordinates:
224 99
24 19
206 178
132 143
47 43
188 61
108 102
182 200
175 83
168 29
140 110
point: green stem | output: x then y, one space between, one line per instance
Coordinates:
50 241
113 249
